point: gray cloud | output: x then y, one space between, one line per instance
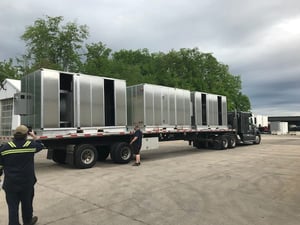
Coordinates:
258 40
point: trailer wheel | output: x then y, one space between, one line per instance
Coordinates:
121 152
86 156
59 156
103 152
231 142
199 144
220 142
257 139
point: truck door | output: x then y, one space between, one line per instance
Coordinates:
246 127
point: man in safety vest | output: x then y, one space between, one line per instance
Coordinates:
17 163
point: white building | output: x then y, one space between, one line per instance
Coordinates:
8 121
260 120
279 128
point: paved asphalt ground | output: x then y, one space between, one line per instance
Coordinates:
176 185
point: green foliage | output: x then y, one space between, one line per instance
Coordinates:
55 46
8 70
187 69
97 59
241 102
133 66
52 45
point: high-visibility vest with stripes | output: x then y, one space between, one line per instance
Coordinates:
15 150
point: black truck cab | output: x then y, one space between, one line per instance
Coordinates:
246 131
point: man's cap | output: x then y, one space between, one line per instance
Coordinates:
21 130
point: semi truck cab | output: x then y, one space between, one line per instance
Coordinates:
246 131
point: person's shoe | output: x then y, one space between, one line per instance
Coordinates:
33 221
136 164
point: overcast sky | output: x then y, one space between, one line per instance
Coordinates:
258 40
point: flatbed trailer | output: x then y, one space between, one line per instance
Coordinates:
84 150
82 119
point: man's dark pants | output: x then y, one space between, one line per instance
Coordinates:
13 200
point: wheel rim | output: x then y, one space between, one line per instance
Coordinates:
87 156
232 142
225 143
257 139
125 153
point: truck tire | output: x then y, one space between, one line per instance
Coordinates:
85 156
198 144
59 156
220 143
121 152
103 152
231 142
257 139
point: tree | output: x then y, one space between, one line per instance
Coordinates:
53 45
133 65
7 70
196 71
97 59
241 102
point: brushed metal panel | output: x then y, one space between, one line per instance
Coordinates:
224 111
165 105
212 109
172 107
183 107
129 93
32 85
135 104
209 105
157 103
85 101
97 101
197 110
27 119
148 105
160 105
120 103
138 116
194 115
140 105
180 107
76 90
50 98
187 108
35 86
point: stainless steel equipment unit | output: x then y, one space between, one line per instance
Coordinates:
56 99
154 106
209 110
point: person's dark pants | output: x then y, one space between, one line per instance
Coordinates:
13 200
136 149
